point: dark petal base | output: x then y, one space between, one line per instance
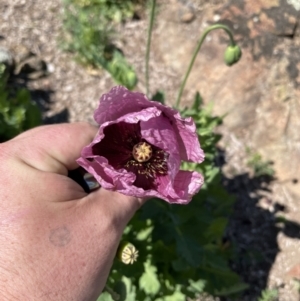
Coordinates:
117 145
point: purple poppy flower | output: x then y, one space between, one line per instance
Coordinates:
139 147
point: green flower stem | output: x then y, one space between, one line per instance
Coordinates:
206 32
148 45
113 294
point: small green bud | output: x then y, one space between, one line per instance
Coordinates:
127 253
232 55
131 79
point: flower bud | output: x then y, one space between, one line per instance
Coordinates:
232 55
131 79
127 253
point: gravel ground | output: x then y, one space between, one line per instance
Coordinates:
70 93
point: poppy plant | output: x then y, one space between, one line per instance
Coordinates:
139 148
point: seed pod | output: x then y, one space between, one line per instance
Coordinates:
127 253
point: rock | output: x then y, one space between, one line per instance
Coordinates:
50 68
182 10
187 15
294 272
6 58
31 66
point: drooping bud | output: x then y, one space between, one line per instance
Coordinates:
232 55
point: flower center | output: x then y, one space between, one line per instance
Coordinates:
142 152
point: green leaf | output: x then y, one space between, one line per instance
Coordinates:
179 264
149 280
130 290
197 102
234 289
120 289
159 96
88 33
197 287
33 116
177 296
144 233
153 209
105 296
217 228
17 111
120 70
269 295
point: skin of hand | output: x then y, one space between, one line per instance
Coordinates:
57 242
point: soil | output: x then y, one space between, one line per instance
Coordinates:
260 96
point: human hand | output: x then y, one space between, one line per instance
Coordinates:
57 242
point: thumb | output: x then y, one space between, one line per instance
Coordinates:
53 148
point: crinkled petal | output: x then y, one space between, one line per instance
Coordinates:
189 145
121 180
159 132
119 102
143 115
187 184
106 175
182 189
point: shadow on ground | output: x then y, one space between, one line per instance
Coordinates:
253 230
43 98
